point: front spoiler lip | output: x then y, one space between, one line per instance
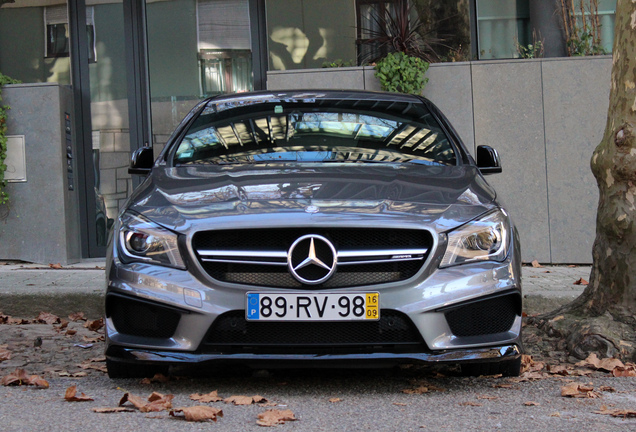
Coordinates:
488 354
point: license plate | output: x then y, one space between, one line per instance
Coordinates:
312 306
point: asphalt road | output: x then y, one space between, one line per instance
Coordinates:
369 400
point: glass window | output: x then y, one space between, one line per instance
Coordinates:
501 24
57 42
373 17
345 131
225 55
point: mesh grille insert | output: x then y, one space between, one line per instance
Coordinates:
485 317
232 332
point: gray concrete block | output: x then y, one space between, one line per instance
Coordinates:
508 112
109 160
122 141
122 186
42 223
450 88
107 181
370 81
122 173
572 132
106 141
327 78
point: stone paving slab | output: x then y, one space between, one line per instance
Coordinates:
28 289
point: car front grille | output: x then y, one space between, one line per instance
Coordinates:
366 256
141 318
484 317
394 332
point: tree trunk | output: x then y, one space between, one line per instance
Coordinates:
603 318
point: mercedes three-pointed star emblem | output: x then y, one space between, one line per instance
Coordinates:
312 259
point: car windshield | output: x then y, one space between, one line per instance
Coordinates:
315 130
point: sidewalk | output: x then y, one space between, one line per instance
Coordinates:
28 289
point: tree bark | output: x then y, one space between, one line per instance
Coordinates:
603 318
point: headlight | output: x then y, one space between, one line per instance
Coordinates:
487 238
143 240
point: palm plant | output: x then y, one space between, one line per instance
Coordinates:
398 29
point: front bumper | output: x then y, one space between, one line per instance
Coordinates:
425 300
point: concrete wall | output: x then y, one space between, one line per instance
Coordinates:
544 116
41 223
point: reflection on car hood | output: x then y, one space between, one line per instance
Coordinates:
211 197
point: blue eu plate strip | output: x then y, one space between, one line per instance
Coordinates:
252 305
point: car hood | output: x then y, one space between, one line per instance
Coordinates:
191 198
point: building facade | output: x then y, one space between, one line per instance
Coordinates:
136 67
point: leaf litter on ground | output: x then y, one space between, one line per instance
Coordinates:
274 417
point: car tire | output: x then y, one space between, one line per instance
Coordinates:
509 368
118 369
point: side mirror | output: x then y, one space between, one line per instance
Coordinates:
488 160
141 161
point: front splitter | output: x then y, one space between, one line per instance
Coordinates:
478 355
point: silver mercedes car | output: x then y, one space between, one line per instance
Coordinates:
318 228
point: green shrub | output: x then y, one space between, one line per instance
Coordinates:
4 198
401 73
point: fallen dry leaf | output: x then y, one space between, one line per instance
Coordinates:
555 414
615 412
156 402
581 281
400 404
421 386
77 316
488 397
94 325
336 400
558 370
245 400
273 417
536 264
71 395
159 402
206 398
158 377
629 370
531 403
607 364
607 389
47 318
529 376
55 266
577 390
417 390
198 413
107 410
470 403
5 354
70 332
20 377
73 375
38 381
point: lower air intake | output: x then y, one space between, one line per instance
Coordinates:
140 318
490 316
